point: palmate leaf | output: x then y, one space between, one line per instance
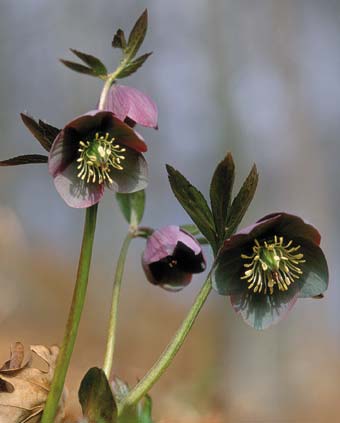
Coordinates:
24 159
93 62
77 67
193 203
42 131
119 40
242 201
133 66
96 398
136 36
220 193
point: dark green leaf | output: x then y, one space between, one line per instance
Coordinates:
119 40
137 36
25 159
77 67
132 206
144 410
93 62
131 67
42 131
193 203
242 201
96 398
220 193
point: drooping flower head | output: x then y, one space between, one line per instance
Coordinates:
94 151
266 267
170 258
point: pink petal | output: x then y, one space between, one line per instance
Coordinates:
125 101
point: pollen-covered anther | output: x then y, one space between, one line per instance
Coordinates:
98 157
272 263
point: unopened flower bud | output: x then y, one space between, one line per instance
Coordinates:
170 258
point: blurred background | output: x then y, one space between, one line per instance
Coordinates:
258 78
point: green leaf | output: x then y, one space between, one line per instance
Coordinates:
132 206
25 159
93 62
42 131
220 193
96 398
242 201
133 66
77 67
119 40
137 36
192 229
144 410
193 203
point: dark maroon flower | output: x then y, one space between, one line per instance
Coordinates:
170 258
267 266
131 106
94 151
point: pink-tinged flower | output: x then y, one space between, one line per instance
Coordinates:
131 106
94 151
170 258
267 266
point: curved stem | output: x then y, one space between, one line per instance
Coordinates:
72 325
111 337
108 83
169 353
105 92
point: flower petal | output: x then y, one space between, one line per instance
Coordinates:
314 280
291 225
261 311
63 151
122 133
172 279
75 192
127 102
133 177
227 272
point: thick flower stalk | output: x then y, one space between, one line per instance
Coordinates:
266 267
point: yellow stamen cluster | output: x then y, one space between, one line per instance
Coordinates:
272 263
98 157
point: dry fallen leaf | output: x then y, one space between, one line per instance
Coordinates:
24 388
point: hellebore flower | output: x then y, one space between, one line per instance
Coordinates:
94 151
170 258
131 106
266 267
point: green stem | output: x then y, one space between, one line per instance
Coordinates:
72 325
111 337
169 353
108 83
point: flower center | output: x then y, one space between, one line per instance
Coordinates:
272 263
98 157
